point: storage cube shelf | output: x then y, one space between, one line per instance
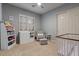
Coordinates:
10 43
11 39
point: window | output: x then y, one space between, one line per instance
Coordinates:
26 23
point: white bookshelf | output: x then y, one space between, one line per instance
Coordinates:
6 43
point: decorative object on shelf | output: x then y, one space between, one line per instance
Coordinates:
9 26
11 18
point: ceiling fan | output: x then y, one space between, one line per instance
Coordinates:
38 5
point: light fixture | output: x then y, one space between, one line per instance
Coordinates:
39 4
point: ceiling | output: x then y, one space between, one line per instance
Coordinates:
37 9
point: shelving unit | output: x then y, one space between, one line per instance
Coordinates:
8 37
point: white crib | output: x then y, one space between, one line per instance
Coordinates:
68 44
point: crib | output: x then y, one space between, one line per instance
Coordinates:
68 44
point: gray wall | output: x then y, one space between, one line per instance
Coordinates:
49 19
9 10
0 11
0 23
48 23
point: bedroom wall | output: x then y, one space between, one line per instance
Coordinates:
0 23
9 10
0 11
49 19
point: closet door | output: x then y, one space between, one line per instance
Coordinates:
63 23
68 21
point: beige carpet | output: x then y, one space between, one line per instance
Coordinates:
31 49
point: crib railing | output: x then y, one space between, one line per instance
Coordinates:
67 46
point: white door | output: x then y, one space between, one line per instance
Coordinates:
62 24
